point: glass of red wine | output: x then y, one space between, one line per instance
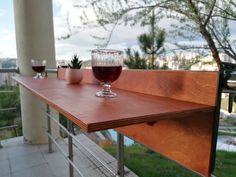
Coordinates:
38 66
107 67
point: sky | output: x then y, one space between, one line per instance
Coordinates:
7 30
81 43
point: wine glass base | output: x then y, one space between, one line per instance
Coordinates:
38 77
109 94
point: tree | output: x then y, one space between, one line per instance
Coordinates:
9 100
208 19
134 61
152 43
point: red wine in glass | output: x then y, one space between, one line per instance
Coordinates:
38 69
107 73
107 67
38 66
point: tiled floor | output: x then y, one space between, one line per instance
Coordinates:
21 160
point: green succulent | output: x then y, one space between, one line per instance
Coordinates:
75 63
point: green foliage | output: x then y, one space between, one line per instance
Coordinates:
134 61
164 67
63 120
225 164
146 164
9 100
10 117
152 44
185 64
75 63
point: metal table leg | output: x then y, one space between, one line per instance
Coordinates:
49 130
70 148
120 155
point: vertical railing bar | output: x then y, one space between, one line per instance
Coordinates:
70 148
86 149
49 129
120 155
65 155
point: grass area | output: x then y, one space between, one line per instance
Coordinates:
225 164
5 134
146 163
9 133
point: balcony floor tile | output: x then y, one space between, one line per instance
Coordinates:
4 167
37 171
21 160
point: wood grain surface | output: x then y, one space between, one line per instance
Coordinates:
193 86
186 141
79 104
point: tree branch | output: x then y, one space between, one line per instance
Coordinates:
210 13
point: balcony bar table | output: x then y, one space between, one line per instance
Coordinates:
80 105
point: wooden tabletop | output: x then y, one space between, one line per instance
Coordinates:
79 104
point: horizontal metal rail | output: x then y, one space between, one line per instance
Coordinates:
9 70
8 127
7 109
64 153
16 70
7 91
227 128
227 132
51 70
85 148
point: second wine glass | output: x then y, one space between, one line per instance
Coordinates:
38 66
107 67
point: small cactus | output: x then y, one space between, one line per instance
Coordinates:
75 63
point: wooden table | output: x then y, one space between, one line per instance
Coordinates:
80 105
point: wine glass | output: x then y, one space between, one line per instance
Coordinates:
38 66
107 67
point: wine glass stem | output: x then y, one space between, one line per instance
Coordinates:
106 87
38 75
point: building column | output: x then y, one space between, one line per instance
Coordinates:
34 40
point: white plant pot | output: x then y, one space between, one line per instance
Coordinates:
73 76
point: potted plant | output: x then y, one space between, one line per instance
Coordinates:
73 74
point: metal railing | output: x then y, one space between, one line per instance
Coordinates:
69 157
12 127
9 70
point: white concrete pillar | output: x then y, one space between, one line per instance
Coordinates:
34 39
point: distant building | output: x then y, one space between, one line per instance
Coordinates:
208 63
61 62
194 60
6 77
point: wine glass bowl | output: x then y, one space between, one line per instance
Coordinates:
38 66
107 67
